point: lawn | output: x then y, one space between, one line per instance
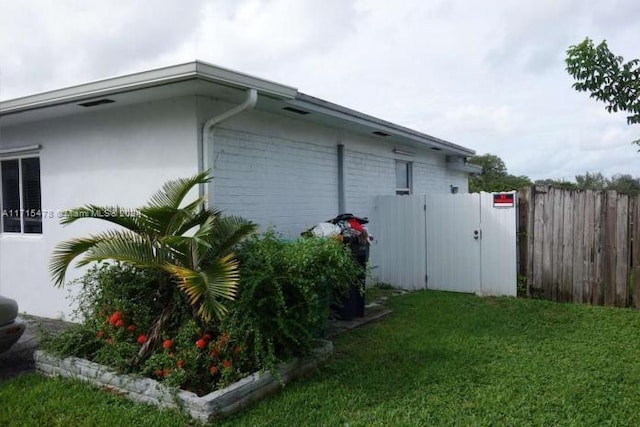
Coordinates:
439 359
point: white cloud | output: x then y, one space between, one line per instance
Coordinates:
489 75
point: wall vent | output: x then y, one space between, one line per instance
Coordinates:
97 102
295 110
381 133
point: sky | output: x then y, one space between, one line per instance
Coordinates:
489 75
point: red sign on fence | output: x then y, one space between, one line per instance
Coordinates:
503 200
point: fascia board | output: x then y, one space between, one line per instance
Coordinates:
311 104
160 76
233 78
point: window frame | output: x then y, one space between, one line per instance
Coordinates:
409 171
20 158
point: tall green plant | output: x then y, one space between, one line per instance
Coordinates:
189 245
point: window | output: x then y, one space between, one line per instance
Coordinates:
21 201
403 177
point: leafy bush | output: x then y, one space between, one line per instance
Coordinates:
282 305
285 293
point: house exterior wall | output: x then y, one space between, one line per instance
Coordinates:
269 168
112 156
283 172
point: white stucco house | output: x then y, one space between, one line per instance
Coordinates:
279 157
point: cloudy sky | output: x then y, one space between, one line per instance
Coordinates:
484 74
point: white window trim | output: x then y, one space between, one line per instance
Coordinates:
13 154
409 190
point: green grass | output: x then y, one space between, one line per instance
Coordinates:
440 359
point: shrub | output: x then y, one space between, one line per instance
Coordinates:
282 305
285 293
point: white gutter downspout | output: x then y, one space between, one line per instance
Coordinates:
249 103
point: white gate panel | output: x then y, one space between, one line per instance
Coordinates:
453 242
398 254
498 266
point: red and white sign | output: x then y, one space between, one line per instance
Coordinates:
503 200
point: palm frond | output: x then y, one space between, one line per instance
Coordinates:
199 218
173 192
126 247
228 232
64 253
205 288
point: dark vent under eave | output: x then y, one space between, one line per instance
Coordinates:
436 148
295 110
380 133
97 102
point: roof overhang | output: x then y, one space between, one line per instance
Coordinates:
203 79
138 81
378 127
460 164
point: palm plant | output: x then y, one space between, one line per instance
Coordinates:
190 246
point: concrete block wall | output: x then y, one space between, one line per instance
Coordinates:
274 180
282 171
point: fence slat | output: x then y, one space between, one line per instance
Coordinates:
538 224
635 251
597 284
578 246
547 243
588 246
622 250
567 248
556 242
524 197
610 246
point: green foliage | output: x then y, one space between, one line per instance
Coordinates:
625 184
494 176
285 294
283 303
198 360
187 245
606 77
591 181
116 303
622 183
557 183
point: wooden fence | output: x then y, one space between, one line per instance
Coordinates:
578 246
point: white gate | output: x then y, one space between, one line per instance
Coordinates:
453 242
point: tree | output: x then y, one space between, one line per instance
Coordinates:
625 184
622 183
189 246
591 181
562 184
494 176
607 77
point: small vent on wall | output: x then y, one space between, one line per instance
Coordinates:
381 133
436 148
97 102
295 110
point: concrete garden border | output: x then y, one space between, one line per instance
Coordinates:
205 408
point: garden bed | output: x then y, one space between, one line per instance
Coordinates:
218 403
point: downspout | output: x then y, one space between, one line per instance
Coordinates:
342 203
247 104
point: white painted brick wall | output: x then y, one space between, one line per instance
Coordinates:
273 180
283 171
